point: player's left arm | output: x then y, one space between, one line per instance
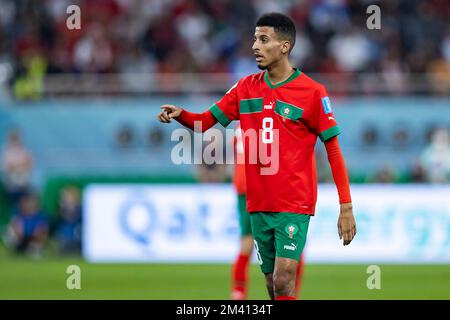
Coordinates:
346 222
328 131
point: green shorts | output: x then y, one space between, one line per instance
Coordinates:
278 234
244 216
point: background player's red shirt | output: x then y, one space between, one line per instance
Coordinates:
239 167
299 110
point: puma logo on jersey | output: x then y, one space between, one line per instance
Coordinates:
330 118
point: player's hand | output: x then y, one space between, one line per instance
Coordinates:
168 113
346 223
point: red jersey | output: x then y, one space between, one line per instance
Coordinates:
286 119
239 167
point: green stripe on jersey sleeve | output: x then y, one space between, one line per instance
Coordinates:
329 133
219 115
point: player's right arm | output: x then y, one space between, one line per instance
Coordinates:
224 111
169 112
195 121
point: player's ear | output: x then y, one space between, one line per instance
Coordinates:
285 46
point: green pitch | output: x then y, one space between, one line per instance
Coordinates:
22 278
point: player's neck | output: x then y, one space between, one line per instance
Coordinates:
280 72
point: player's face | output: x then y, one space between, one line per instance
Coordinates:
267 47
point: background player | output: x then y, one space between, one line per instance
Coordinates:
289 111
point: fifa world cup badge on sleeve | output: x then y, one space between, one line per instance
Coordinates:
326 103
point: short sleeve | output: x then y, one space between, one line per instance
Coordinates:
326 125
227 108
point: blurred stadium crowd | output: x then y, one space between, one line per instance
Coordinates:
28 227
151 37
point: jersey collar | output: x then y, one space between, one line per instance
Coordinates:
292 77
